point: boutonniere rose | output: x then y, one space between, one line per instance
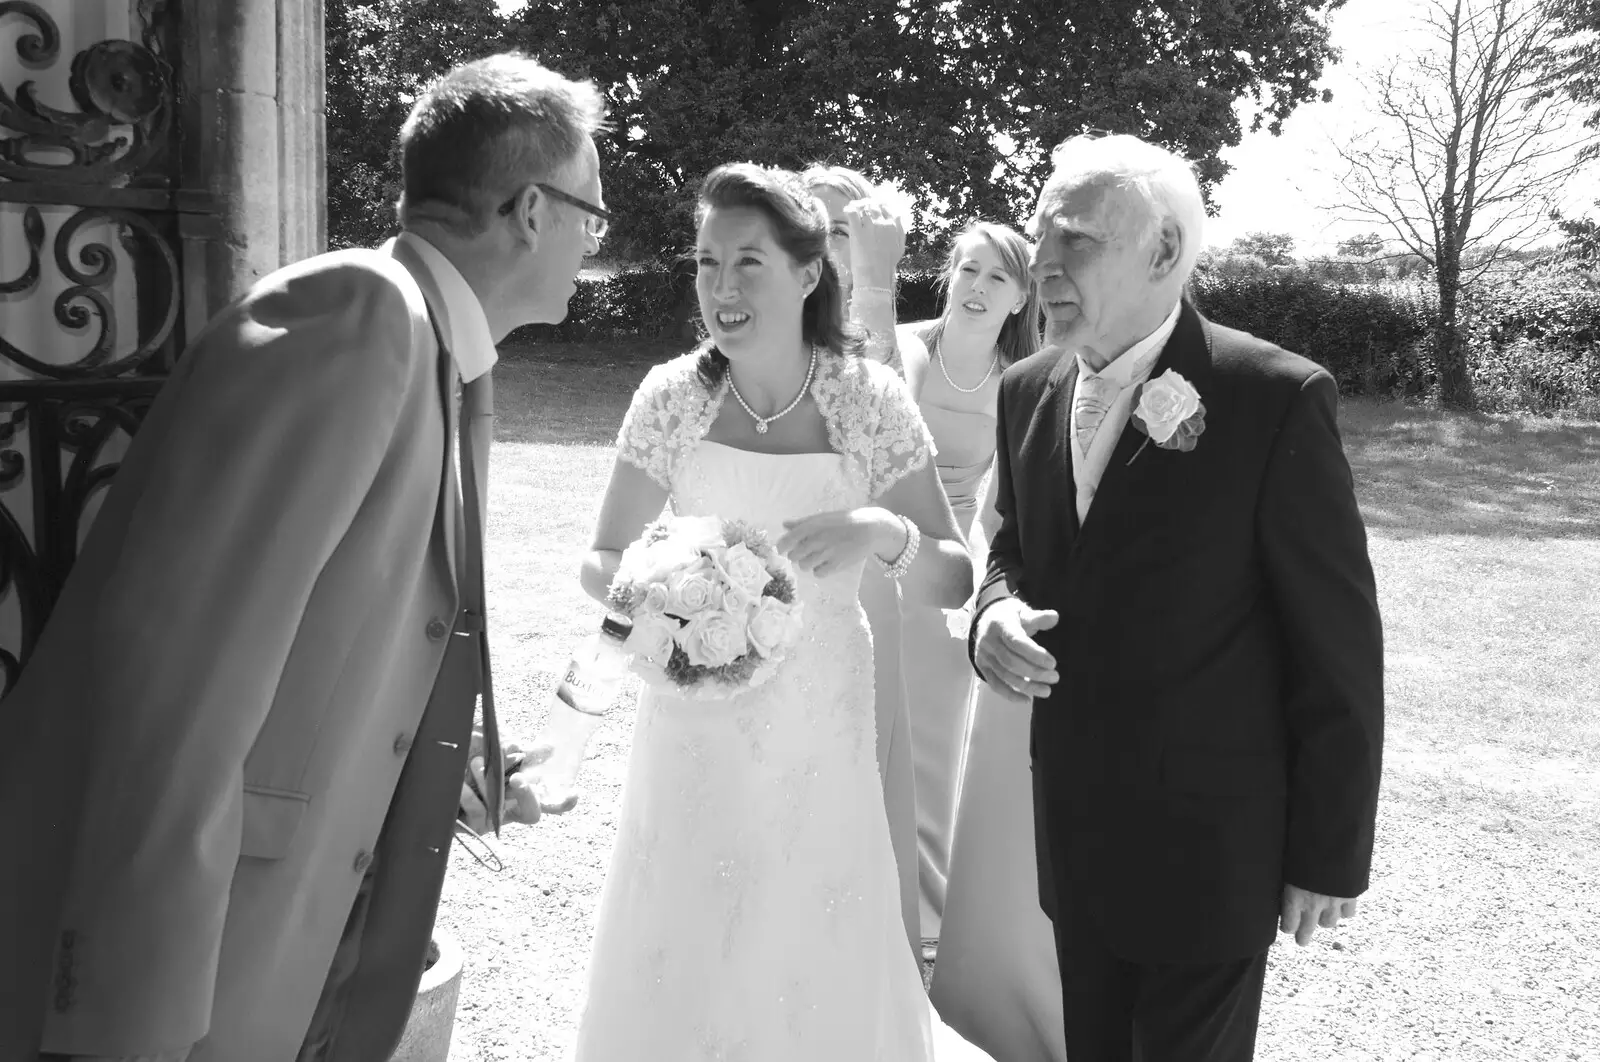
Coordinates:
1170 413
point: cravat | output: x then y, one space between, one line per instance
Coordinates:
1090 404
477 433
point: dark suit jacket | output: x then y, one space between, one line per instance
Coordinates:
1217 730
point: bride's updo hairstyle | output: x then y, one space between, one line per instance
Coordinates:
799 224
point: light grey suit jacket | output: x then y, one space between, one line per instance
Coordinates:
201 751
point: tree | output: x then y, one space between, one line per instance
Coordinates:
1572 62
378 55
1367 245
1580 239
1469 152
958 103
1273 248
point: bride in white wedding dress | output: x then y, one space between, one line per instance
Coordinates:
752 908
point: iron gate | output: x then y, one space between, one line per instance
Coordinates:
101 228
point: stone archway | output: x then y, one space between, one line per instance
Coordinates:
156 158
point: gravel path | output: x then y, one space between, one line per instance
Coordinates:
1479 941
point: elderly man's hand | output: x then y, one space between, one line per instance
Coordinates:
1304 911
1010 661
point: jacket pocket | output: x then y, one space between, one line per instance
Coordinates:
271 817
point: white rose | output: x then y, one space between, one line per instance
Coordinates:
655 599
652 639
1165 403
771 626
713 639
733 600
745 570
653 563
690 592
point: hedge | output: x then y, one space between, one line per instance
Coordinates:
1534 344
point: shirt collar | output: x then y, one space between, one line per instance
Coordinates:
1139 358
464 324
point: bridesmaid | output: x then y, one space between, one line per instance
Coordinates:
953 364
867 241
996 981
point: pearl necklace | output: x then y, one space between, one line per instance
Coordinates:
763 422
938 353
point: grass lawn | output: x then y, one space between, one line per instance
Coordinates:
1480 938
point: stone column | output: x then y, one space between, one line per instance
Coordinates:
258 138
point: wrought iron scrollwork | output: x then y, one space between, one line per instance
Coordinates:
124 90
33 232
113 164
91 271
71 423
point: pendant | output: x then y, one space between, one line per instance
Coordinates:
761 427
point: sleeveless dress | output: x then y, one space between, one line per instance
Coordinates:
997 981
751 909
938 677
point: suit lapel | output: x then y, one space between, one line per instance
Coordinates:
1063 381
450 388
1135 469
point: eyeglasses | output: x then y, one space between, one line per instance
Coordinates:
595 225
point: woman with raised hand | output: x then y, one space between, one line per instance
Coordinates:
866 240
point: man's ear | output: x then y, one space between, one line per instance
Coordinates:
526 216
1168 249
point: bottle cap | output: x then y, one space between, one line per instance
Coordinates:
616 626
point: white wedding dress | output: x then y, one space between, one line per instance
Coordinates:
752 908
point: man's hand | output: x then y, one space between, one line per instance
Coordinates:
526 799
1304 911
1011 662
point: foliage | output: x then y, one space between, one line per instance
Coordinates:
1370 337
1272 248
1472 148
959 104
1367 245
1572 62
1533 337
378 55
1580 239
1535 342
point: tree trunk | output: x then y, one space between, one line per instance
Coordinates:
1450 348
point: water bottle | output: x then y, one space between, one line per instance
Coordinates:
586 690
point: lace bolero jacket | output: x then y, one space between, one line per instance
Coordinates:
871 417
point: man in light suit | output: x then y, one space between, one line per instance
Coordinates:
235 757
1180 587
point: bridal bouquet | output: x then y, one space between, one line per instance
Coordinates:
713 606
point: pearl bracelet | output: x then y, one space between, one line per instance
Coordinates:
902 564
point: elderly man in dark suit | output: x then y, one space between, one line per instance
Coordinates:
1180 586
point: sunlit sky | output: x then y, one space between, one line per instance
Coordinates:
1286 183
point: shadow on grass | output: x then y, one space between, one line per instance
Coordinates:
571 392
1425 472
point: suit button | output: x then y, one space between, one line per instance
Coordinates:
363 861
437 628
402 743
